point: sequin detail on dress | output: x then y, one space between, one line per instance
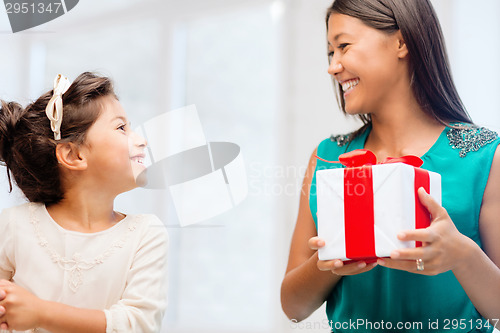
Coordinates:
342 139
469 138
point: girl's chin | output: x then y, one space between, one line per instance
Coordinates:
141 178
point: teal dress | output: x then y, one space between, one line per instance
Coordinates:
388 300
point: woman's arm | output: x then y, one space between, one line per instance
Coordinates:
479 275
307 281
446 249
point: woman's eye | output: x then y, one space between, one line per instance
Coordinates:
343 46
330 56
122 127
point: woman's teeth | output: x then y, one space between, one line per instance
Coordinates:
349 84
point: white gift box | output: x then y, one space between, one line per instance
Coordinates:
394 208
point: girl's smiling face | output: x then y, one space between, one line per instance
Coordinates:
115 153
366 62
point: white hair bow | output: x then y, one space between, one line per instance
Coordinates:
54 109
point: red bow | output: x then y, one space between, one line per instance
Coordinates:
360 157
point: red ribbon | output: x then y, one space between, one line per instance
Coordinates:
358 200
360 157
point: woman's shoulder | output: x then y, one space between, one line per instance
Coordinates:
340 139
468 138
337 144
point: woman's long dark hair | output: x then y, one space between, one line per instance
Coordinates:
431 79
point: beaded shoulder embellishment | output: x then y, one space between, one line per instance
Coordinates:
469 138
77 264
342 139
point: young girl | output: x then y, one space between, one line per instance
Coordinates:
390 65
68 261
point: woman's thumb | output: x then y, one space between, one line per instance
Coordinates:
428 201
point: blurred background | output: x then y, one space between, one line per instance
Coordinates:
257 72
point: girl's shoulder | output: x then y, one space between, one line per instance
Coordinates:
144 221
14 213
27 212
148 225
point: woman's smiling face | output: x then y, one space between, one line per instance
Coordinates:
366 62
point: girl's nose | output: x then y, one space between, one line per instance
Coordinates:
138 140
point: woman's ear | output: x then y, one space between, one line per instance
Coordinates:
70 156
401 44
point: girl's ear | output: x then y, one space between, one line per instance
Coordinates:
71 157
402 49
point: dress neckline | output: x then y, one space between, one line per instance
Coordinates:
79 233
434 146
77 264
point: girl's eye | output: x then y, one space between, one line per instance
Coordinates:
122 127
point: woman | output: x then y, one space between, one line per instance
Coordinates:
389 60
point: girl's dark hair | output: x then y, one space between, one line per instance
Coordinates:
27 145
431 79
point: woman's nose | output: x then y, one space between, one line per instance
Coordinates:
335 67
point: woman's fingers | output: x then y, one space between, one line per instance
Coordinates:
337 266
315 243
328 265
411 253
424 235
354 268
345 268
404 265
432 205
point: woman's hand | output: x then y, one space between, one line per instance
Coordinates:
21 309
442 244
337 266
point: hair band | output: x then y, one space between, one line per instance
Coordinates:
54 109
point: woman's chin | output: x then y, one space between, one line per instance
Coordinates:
353 111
